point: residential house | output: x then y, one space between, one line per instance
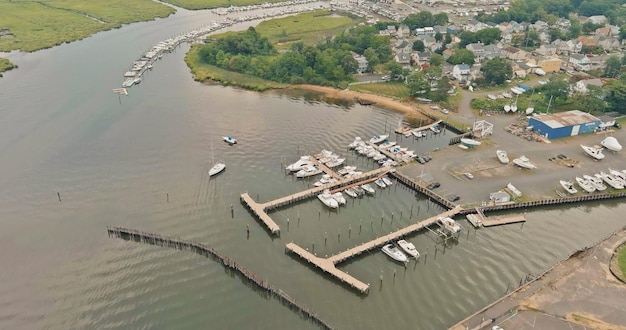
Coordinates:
608 43
544 37
433 46
579 62
477 49
461 72
587 41
597 19
447 53
403 46
507 37
563 23
518 27
540 26
561 46
424 57
404 59
515 53
581 86
473 25
475 72
547 50
440 29
550 64
603 31
505 27
361 62
574 45
403 32
492 51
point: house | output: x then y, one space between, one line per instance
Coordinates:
499 197
540 25
473 25
608 43
579 62
426 31
581 86
403 46
403 31
461 72
440 29
507 37
518 27
361 62
477 49
603 31
544 37
492 51
447 53
515 53
563 23
550 64
505 27
547 50
424 57
404 59
475 72
561 46
587 41
574 45
597 19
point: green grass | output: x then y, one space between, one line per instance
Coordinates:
30 26
204 4
621 259
204 72
6 65
392 89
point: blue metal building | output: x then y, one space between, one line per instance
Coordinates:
563 124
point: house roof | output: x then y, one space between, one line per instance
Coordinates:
567 118
593 82
511 50
463 66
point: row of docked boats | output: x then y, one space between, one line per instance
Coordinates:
401 251
382 151
332 201
306 167
598 182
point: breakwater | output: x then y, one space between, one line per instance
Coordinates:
206 251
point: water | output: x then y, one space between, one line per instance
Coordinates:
114 160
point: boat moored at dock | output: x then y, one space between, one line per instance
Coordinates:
611 180
595 182
327 199
394 253
408 248
308 171
300 164
449 225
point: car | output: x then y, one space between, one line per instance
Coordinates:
454 197
434 107
445 111
434 185
468 175
385 78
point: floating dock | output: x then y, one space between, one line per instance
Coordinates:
479 220
328 265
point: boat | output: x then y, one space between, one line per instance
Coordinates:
378 138
300 164
524 162
611 180
530 110
137 80
338 196
128 82
393 252
380 183
326 179
308 171
595 182
470 142
418 134
218 167
357 142
150 66
408 248
514 107
346 169
387 181
358 190
379 156
618 175
387 144
324 156
327 199
449 225
585 184
335 161
502 156
229 139
435 129
491 96
569 186
611 144
368 189
350 192
595 152
507 108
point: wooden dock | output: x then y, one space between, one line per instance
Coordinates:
328 265
410 131
479 220
422 188
325 169
260 209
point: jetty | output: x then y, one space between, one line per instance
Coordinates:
479 220
408 131
328 265
260 209
260 285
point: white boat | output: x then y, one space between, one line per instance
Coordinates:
379 156
380 183
514 108
379 138
334 162
308 171
418 134
585 184
338 196
217 168
346 169
470 142
529 110
300 164
353 173
357 142
524 162
350 192
229 139
502 156
395 254
326 179
327 199
387 181
358 190
325 156
507 108
408 248
137 80
611 180
611 144
569 186
596 182
366 150
128 82
435 129
491 96
387 144
595 152
449 225
368 189
618 175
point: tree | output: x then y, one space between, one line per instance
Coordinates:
622 32
462 56
556 88
394 68
437 60
574 29
616 95
613 65
447 39
438 36
497 71
418 46
489 35
418 84
593 100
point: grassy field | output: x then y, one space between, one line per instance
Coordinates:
30 26
391 89
310 28
621 259
6 65
204 4
204 72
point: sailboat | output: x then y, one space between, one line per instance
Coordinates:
514 105
218 167
530 109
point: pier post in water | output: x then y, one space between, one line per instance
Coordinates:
59 195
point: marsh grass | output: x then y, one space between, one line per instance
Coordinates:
392 89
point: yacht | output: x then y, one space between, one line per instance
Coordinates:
449 225
350 192
524 162
128 82
393 252
595 182
595 152
378 138
357 142
418 134
308 171
408 248
569 186
380 183
470 142
387 181
335 161
585 184
611 180
217 168
358 190
338 196
435 129
368 189
379 156
387 144
611 144
502 156
229 139
326 179
327 199
346 169
618 175
300 164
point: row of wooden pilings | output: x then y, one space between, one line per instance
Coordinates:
204 250
419 188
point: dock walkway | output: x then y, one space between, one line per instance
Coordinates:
407 132
479 220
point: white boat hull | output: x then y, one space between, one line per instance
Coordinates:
216 169
593 152
394 253
408 248
502 156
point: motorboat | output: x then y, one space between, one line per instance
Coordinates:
530 110
137 80
387 181
357 142
379 156
470 142
618 175
338 196
327 199
358 190
507 108
393 252
491 96
229 139
568 186
611 180
335 161
378 138
596 182
595 152
353 173
326 179
380 183
325 156
418 134
366 150
216 169
585 184
346 169
350 192
368 189
449 225
408 248
502 156
300 164
387 144
435 129
611 143
308 171
524 162
513 107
